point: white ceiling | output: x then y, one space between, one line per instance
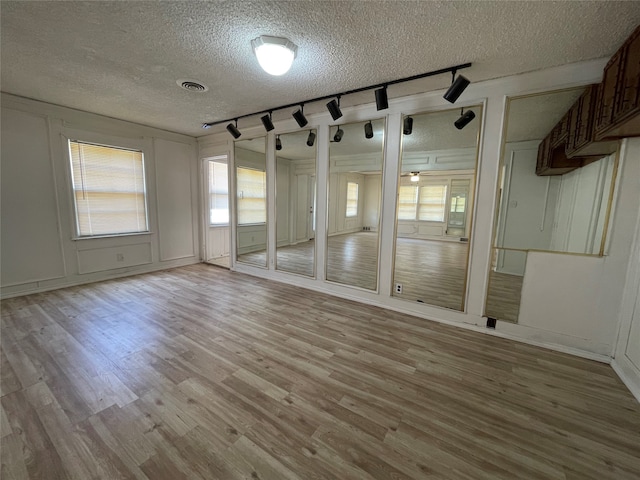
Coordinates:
122 59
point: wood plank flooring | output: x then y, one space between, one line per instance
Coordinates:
503 296
202 373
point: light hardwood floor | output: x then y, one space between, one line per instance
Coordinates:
202 373
430 271
503 296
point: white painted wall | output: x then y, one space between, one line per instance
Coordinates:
582 206
527 208
627 352
39 249
371 201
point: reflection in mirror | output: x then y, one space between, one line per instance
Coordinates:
251 201
566 210
435 199
295 202
355 186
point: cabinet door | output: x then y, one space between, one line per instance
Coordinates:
606 101
585 117
543 155
629 79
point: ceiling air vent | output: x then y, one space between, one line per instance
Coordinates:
192 85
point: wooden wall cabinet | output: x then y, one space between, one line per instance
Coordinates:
552 157
618 108
582 121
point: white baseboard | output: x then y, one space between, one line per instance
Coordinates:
156 267
626 374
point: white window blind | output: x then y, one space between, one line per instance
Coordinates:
352 199
407 202
218 194
109 189
252 196
432 201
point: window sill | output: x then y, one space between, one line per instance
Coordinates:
118 235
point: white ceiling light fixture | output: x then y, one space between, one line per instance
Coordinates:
275 54
415 176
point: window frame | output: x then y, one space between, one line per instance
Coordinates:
107 142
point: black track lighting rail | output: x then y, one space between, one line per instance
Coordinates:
452 70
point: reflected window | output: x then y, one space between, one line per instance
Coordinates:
252 196
407 202
218 194
352 199
432 201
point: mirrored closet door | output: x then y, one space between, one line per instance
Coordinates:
356 153
435 203
296 202
250 178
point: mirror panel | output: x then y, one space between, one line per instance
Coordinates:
296 202
355 190
435 202
557 213
251 201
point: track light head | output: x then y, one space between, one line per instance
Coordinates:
266 121
407 126
334 108
299 116
382 102
233 130
457 87
338 136
278 143
464 119
311 138
368 129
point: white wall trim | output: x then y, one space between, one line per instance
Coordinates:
100 277
631 381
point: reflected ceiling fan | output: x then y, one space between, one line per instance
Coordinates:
415 176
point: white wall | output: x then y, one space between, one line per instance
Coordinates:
371 201
39 249
582 206
527 207
627 351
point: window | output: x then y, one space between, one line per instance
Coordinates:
432 201
352 199
109 189
407 202
218 194
252 196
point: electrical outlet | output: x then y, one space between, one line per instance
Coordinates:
119 257
398 288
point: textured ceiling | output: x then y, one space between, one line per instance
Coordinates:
533 117
122 59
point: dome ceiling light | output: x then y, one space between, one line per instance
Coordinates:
275 54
